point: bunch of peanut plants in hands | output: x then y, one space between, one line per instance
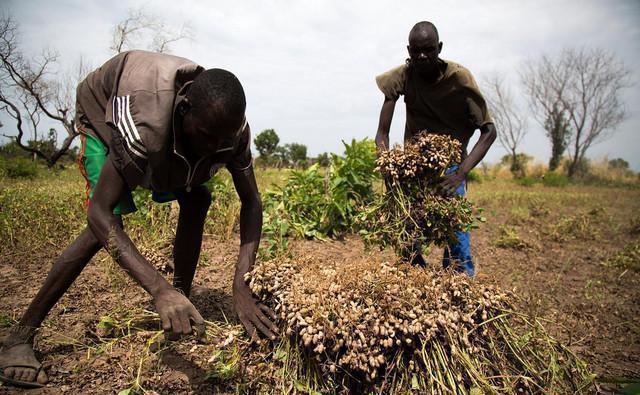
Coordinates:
413 209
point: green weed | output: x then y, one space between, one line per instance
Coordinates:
223 216
37 215
538 208
6 321
474 177
508 238
526 181
593 289
552 179
628 258
634 226
224 365
18 168
581 226
519 215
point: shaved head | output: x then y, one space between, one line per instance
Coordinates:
424 50
423 30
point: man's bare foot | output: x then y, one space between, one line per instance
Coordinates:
19 366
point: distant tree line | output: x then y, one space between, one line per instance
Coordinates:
272 154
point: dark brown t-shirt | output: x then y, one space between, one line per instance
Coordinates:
452 105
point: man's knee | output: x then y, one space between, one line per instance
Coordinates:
199 199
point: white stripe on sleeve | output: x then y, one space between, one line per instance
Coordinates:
134 145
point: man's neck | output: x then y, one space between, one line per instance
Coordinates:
437 74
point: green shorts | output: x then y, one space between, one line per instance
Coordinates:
93 155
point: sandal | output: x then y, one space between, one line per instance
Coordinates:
19 383
21 336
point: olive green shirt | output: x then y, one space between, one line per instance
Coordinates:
452 105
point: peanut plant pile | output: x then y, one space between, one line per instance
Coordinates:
370 326
413 209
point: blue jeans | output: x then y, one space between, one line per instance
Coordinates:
458 253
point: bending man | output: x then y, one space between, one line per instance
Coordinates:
163 123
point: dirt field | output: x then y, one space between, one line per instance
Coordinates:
557 249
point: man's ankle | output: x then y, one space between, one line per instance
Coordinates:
20 334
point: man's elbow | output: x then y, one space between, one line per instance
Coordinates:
491 133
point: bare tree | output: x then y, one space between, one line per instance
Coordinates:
129 30
586 85
140 26
28 95
165 35
558 131
509 120
544 84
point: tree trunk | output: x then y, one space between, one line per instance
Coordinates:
62 150
573 166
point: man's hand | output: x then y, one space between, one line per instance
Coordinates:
451 182
177 312
252 314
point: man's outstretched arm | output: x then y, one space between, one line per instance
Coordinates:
488 135
174 309
384 124
252 314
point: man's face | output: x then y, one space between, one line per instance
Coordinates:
206 134
424 49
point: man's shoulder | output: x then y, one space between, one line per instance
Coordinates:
456 71
393 72
391 82
152 72
149 57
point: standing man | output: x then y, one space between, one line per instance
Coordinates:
441 97
163 123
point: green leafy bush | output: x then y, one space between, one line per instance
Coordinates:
553 179
628 258
315 203
474 176
19 168
526 181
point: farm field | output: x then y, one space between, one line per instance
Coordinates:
570 255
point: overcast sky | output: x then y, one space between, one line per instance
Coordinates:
308 67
